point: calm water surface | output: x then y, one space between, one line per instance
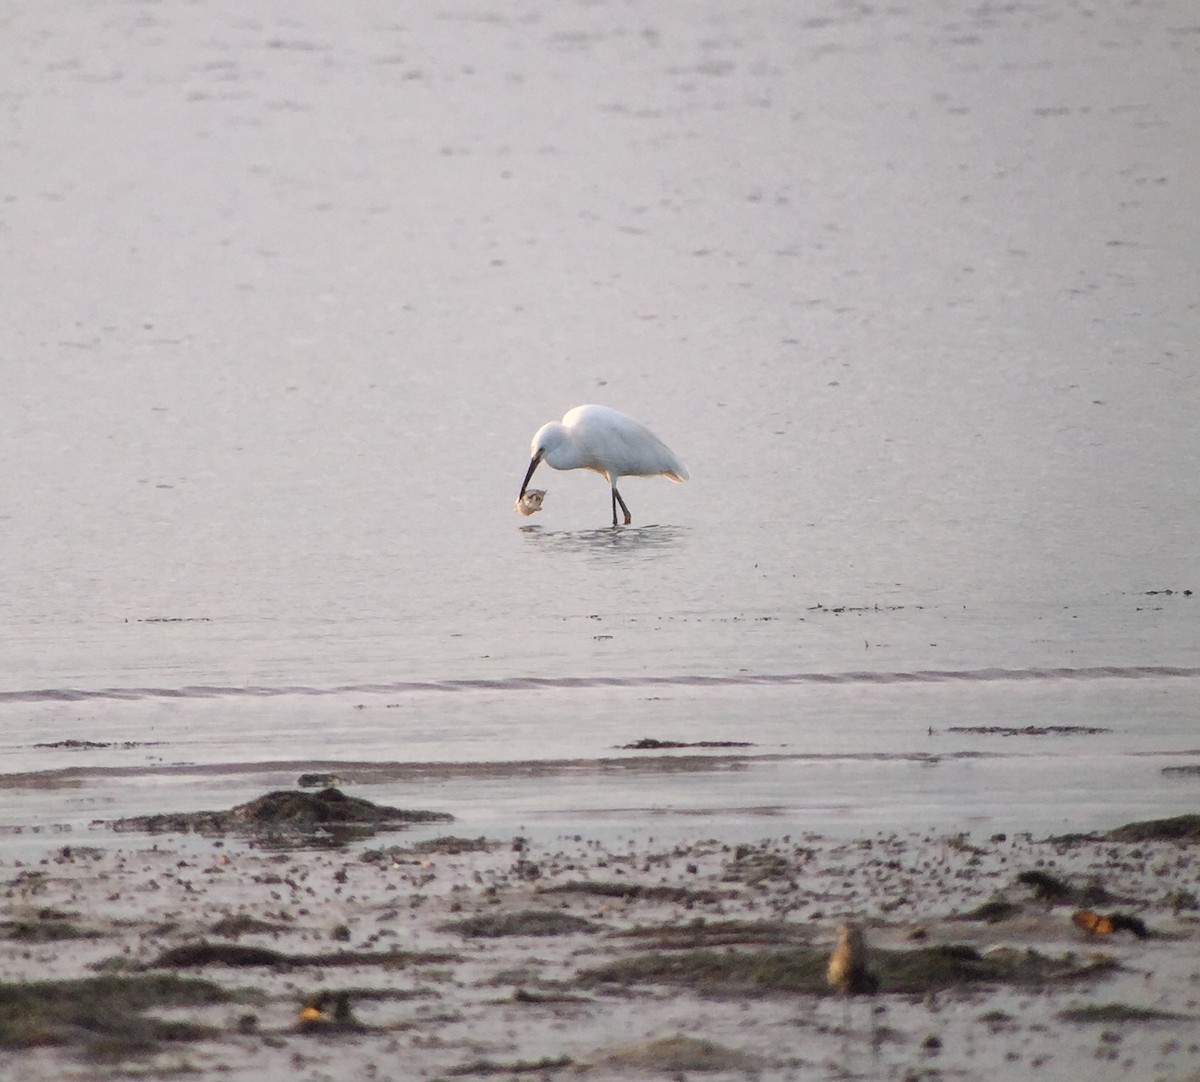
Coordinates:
909 291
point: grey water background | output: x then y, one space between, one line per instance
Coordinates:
912 291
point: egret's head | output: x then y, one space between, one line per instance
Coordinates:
545 440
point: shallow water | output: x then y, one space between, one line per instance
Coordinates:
908 290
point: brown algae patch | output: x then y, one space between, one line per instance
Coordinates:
98 745
717 933
46 926
710 972
753 864
203 953
1116 1013
802 971
633 891
486 1067
450 845
674 1056
288 811
1046 887
103 1016
1058 890
994 911
1180 828
522 922
1029 730
931 969
446 846
649 743
233 925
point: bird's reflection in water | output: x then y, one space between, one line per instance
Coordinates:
630 542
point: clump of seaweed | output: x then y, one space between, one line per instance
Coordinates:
1029 730
756 864
632 891
103 1016
516 1067
233 925
530 922
718 933
711 972
46 926
801 970
204 953
649 743
1115 1013
452 845
446 845
673 1056
1179 828
288 811
993 911
1046 887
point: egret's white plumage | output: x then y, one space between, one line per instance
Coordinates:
605 440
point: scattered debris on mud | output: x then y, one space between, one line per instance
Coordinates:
464 957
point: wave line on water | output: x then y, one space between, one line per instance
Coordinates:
535 683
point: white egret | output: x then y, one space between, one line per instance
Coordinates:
605 440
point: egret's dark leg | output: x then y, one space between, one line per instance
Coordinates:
617 500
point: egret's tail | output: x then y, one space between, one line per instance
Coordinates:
679 474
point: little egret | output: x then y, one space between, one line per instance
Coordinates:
605 440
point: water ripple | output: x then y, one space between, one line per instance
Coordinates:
534 683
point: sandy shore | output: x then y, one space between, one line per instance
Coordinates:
497 957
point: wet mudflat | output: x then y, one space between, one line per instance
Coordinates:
910 291
474 956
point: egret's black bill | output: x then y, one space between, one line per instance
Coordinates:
533 465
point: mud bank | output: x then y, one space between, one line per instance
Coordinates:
474 957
